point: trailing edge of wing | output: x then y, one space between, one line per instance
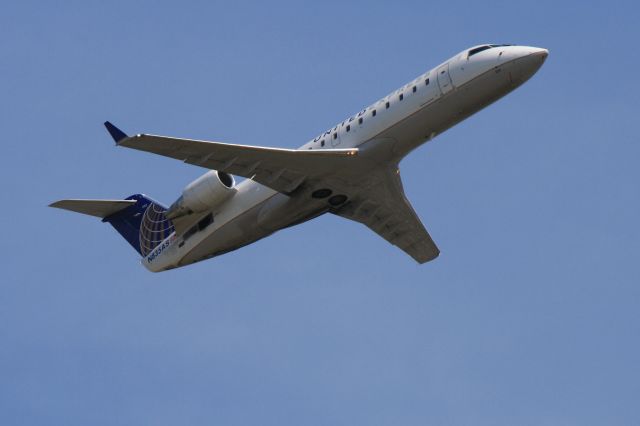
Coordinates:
281 169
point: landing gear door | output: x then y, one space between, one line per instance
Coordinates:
444 79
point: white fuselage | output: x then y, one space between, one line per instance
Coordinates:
389 128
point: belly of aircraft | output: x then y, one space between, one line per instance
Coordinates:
275 213
234 234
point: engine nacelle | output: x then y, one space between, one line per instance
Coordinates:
205 193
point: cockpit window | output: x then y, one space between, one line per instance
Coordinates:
478 50
485 47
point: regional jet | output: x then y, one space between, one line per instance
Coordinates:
350 170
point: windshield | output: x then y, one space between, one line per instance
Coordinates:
485 47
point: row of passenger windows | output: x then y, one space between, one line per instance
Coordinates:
387 105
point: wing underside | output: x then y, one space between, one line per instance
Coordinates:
385 210
376 196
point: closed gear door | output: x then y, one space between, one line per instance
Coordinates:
444 80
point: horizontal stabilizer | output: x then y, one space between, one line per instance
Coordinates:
98 208
138 218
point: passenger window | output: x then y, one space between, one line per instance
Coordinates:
348 127
335 136
373 113
414 89
360 120
401 97
387 104
322 142
426 82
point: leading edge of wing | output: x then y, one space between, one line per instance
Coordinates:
141 141
278 168
154 144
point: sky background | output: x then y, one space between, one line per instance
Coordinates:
530 315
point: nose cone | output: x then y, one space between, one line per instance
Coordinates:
539 53
529 62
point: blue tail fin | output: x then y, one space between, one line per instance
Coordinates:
142 224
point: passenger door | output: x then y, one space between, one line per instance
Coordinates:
444 79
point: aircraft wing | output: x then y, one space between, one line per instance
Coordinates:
281 169
385 210
376 199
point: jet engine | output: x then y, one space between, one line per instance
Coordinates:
205 193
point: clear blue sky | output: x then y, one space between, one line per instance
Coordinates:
530 316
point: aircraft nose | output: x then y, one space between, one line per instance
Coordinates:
529 63
541 53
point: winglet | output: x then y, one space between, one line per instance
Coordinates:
117 134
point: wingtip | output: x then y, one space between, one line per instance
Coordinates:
117 134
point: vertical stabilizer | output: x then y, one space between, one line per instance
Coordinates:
142 224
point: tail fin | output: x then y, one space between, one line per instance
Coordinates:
140 220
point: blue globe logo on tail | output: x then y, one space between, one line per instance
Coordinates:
143 224
154 228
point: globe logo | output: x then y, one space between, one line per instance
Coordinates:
154 228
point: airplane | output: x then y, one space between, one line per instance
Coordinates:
350 170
